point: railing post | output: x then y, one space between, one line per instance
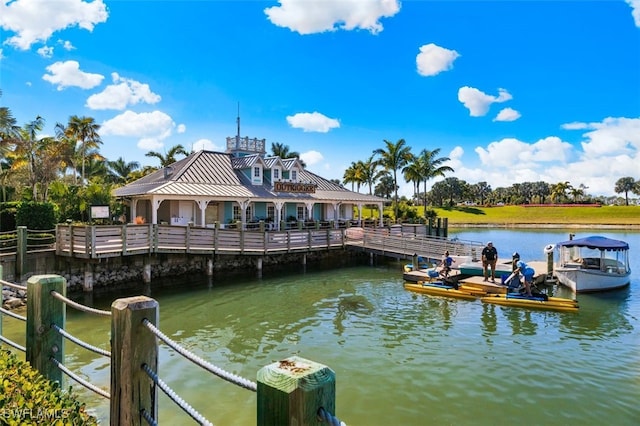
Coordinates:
291 391
132 346
44 310
123 237
21 251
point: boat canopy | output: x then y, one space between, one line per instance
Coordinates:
596 242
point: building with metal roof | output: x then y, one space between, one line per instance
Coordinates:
240 186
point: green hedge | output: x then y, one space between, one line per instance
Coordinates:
27 398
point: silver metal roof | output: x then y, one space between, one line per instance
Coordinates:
218 175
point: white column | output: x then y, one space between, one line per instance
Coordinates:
202 205
155 205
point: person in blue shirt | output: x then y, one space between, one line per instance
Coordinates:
446 263
526 274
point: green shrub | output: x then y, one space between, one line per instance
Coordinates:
36 215
28 398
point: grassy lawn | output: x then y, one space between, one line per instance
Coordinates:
519 215
513 215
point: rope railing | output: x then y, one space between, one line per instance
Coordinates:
79 379
327 417
81 343
12 314
13 285
79 306
175 398
230 377
13 344
148 418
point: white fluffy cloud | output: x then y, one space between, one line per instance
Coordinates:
612 137
151 128
181 128
121 94
308 17
311 157
507 114
478 102
510 152
635 11
312 122
434 59
45 51
36 20
207 145
68 74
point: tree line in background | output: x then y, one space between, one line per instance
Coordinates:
68 170
381 170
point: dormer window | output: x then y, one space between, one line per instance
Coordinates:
294 175
256 175
276 174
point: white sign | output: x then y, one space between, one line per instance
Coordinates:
99 212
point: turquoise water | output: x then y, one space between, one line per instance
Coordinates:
399 357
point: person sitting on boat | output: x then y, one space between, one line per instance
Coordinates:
446 263
526 274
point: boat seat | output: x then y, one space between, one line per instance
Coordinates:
591 263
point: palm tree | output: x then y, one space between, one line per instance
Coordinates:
482 191
385 188
394 158
431 167
84 130
625 184
281 150
370 173
27 149
170 156
120 169
412 173
559 190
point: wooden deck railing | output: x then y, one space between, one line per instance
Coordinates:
102 241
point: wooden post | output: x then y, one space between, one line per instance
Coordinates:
445 227
43 310
133 345
291 391
87 283
21 251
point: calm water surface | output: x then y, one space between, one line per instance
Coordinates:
400 358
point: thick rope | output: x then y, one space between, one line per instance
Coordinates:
79 306
13 315
175 398
150 420
325 416
13 344
79 342
237 380
80 380
12 285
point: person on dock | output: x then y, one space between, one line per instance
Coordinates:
526 274
445 264
489 258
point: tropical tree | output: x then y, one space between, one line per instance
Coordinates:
559 191
481 190
393 158
354 175
412 172
170 156
120 170
281 150
625 184
371 174
385 186
84 130
541 190
431 166
26 148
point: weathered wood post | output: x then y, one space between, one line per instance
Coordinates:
21 251
87 283
445 227
132 346
44 310
291 391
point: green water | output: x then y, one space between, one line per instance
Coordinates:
400 358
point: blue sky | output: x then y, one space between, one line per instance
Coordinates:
510 91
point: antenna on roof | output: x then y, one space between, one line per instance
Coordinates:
238 121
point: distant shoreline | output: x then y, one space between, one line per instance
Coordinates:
633 227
